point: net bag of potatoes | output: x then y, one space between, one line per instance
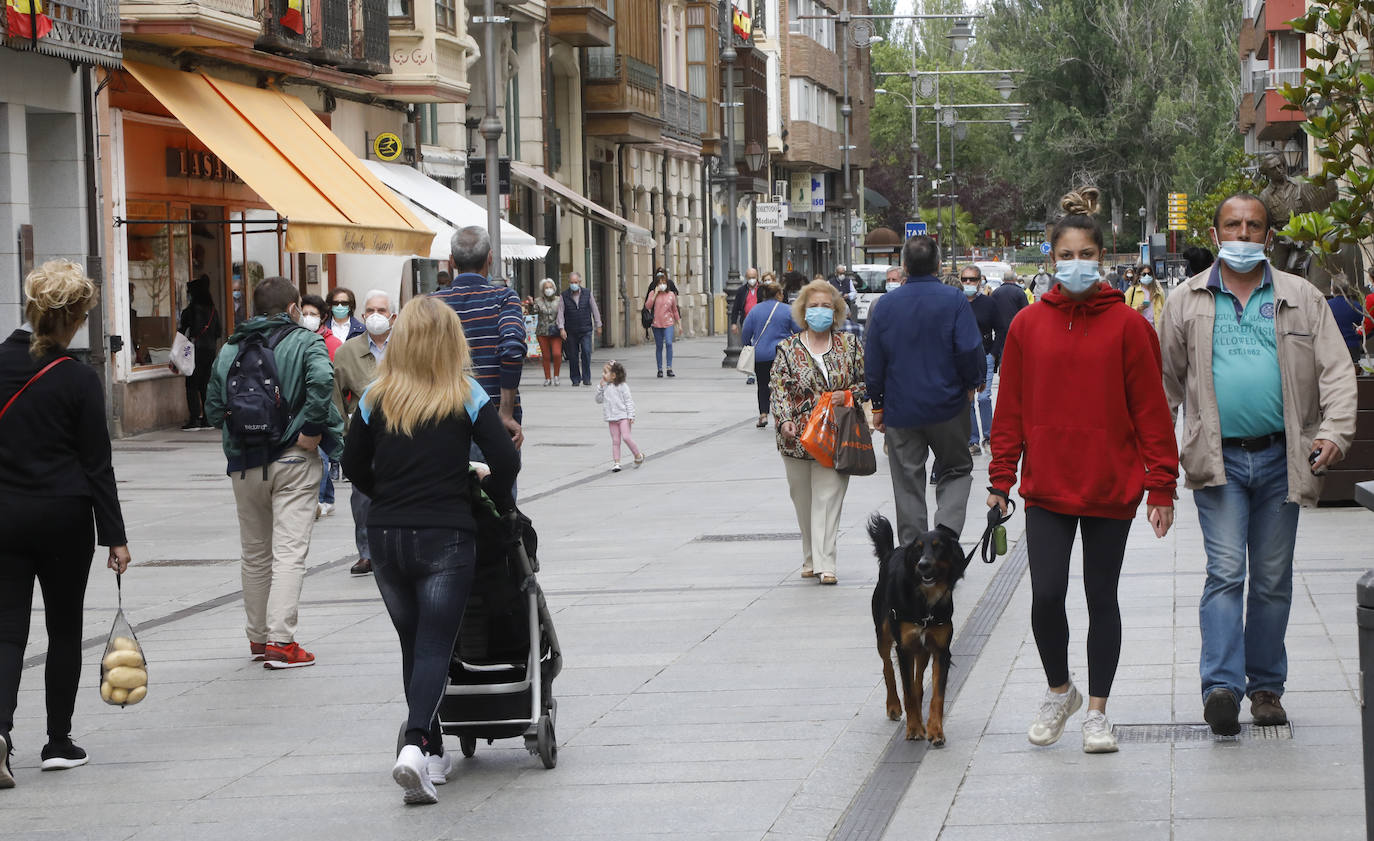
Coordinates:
123 670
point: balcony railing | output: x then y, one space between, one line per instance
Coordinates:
682 115
371 37
276 38
605 65
331 37
84 31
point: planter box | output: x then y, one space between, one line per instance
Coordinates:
1359 462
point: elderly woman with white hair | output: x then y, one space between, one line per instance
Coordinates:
546 330
355 367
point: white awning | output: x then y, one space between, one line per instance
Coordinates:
443 163
578 203
440 207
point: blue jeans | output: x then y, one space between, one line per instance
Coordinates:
985 407
662 336
1247 518
326 481
425 576
578 351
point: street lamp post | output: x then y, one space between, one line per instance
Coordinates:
490 129
732 337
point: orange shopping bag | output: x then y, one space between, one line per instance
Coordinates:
820 437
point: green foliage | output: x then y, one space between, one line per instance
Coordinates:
934 217
1338 90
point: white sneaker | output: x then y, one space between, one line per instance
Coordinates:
1054 711
615 468
324 509
1097 733
440 767
411 772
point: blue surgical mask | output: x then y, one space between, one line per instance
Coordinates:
340 311
1076 275
820 319
238 294
970 291
1241 256
574 287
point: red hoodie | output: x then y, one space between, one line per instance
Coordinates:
1082 407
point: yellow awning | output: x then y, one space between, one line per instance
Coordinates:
332 203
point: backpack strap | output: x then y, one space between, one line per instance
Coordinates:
46 368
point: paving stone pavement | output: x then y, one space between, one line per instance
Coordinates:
708 692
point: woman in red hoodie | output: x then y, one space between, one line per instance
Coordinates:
1082 408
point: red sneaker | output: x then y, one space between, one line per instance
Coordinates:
286 655
256 651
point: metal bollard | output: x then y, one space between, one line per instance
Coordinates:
1364 615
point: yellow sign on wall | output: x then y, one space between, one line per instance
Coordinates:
386 146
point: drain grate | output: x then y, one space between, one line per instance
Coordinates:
1174 733
558 444
739 538
143 448
187 562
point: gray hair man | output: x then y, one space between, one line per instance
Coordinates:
578 318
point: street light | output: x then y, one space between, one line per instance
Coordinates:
728 56
753 156
959 35
915 149
1141 213
1005 86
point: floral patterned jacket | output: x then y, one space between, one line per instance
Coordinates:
797 382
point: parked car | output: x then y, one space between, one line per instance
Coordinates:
870 282
993 272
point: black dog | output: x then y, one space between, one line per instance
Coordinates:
913 611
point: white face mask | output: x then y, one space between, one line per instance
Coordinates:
310 322
377 324
663 287
548 292
753 281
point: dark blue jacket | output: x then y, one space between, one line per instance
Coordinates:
766 333
577 320
1348 318
985 312
924 354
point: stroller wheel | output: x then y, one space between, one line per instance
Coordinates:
468 744
547 743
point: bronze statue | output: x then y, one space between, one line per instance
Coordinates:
1285 197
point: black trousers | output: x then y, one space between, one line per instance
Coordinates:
763 371
1049 539
51 540
198 383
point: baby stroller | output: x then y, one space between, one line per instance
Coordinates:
501 676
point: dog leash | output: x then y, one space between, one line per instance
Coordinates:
986 543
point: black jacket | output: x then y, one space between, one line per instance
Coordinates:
1010 299
53 440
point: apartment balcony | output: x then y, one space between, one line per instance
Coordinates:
191 23
1273 119
330 38
620 98
370 43
683 115
1245 114
274 37
581 23
84 31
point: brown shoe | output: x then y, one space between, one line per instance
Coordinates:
362 567
1266 709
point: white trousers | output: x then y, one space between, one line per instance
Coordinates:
818 495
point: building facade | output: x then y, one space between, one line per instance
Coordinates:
1271 54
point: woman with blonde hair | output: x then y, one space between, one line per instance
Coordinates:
1146 296
546 329
407 450
819 363
57 489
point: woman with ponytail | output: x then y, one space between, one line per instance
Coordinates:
1082 411
57 489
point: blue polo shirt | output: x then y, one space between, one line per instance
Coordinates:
1245 360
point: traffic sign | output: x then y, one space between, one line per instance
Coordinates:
915 229
1044 248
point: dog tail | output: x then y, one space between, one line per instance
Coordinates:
880 532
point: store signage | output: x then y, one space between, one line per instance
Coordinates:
799 194
386 146
477 176
205 166
818 194
771 215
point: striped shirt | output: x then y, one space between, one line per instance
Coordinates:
494 325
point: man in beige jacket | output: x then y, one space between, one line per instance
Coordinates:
1257 361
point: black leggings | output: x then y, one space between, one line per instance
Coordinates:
1049 539
51 539
198 383
762 372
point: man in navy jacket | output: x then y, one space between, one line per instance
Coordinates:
924 363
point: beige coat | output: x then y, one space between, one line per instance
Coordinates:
354 369
1319 395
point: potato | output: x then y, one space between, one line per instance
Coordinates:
126 677
119 696
123 644
123 657
138 693
105 690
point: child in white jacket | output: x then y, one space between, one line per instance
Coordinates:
618 408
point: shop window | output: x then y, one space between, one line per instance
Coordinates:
446 15
256 242
159 260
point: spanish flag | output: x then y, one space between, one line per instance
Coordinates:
292 20
25 19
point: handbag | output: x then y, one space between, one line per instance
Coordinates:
820 437
183 355
745 362
853 442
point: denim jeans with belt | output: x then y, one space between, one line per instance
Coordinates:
425 576
1247 522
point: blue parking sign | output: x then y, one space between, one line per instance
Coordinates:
915 229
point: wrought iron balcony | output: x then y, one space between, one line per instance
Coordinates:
331 36
371 49
85 31
276 38
683 115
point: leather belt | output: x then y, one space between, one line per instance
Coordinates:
1254 445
